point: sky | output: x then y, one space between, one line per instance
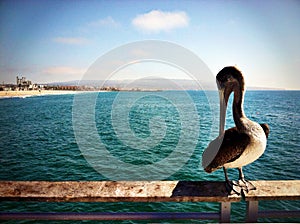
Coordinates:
51 41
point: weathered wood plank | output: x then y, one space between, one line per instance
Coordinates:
111 191
143 191
274 190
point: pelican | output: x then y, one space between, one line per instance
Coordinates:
238 146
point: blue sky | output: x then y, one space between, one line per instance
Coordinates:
49 41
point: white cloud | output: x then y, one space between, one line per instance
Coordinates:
108 21
156 21
71 40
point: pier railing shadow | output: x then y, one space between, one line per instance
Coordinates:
214 189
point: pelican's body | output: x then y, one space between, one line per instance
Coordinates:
238 146
253 150
238 149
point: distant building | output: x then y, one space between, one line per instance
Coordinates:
23 84
7 87
67 88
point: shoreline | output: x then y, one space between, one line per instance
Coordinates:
29 93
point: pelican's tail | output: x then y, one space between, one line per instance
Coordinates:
210 169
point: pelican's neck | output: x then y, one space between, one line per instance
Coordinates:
238 109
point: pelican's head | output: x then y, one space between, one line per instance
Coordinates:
228 79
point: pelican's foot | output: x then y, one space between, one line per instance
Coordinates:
232 187
246 185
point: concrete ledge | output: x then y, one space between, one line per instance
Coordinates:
274 190
111 191
143 191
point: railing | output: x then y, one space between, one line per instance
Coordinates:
271 190
145 191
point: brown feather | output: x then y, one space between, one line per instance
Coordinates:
266 129
233 145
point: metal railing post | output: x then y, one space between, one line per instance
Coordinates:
225 208
252 211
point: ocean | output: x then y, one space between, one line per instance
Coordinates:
140 136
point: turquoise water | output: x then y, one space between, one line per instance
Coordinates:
38 143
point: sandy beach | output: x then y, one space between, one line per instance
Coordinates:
10 94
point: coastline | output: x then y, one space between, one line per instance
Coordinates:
12 94
29 93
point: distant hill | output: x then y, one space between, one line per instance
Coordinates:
263 88
148 84
151 84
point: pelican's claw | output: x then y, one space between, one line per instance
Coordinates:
232 187
246 185
236 187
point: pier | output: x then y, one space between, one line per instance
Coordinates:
146 191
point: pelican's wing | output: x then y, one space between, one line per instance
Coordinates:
233 145
266 129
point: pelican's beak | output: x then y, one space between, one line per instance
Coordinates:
223 107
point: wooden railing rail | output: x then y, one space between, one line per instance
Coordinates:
145 191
